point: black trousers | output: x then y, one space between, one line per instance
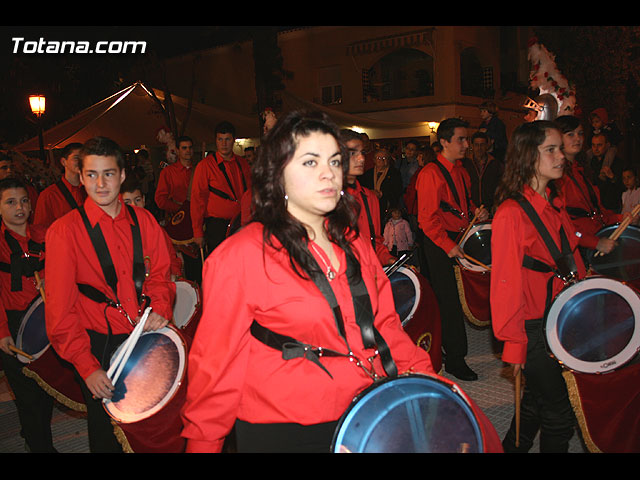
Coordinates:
545 405
102 438
284 437
192 268
215 232
443 281
34 405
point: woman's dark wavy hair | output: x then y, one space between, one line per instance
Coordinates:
521 159
268 203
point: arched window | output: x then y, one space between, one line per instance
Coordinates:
404 73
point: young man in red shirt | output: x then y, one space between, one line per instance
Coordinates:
219 182
64 195
445 209
105 259
21 247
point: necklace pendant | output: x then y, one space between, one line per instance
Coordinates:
331 274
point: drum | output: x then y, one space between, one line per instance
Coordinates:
150 393
409 414
178 224
593 326
151 376
32 335
234 225
187 307
477 244
52 373
418 310
623 263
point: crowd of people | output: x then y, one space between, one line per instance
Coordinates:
305 224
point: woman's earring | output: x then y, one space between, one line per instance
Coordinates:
286 201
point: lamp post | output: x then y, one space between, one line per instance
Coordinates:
38 103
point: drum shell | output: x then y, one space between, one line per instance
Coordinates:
388 400
421 319
593 326
178 224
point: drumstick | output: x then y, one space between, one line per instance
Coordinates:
475 217
120 361
41 289
518 381
20 352
202 255
623 225
476 262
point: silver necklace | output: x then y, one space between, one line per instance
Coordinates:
331 274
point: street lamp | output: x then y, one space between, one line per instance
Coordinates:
37 103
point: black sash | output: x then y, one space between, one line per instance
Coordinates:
371 338
106 263
592 198
66 194
21 264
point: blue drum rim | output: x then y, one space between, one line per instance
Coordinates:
36 302
452 391
557 350
123 417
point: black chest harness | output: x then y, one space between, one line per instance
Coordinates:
22 264
371 338
109 271
564 262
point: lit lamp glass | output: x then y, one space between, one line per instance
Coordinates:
37 103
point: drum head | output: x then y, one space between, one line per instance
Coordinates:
410 414
406 292
623 262
150 377
593 326
477 244
186 304
32 334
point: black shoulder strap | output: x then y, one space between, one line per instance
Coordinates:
372 232
452 187
564 261
104 257
66 194
21 264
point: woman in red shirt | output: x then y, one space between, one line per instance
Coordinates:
519 294
267 281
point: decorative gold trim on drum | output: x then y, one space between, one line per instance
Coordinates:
463 301
121 437
421 339
63 399
574 398
177 218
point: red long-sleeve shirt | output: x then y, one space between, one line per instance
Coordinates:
518 294
173 186
577 196
71 259
52 204
19 300
363 220
432 190
233 375
205 203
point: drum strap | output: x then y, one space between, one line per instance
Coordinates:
66 194
372 231
565 266
371 338
22 264
593 199
454 191
106 263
